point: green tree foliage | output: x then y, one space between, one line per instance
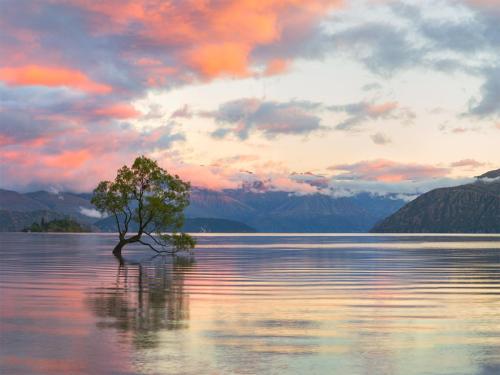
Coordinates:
151 198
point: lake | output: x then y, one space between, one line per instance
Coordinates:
251 304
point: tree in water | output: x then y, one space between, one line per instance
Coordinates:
149 199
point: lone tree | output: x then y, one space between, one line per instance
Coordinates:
149 199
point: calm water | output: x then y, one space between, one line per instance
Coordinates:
251 305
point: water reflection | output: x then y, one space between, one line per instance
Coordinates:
146 298
269 305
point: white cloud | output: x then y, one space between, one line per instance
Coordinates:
487 180
53 190
408 189
91 212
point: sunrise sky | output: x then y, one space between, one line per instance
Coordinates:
304 96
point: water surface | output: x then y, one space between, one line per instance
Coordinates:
252 304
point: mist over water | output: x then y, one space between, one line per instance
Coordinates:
252 304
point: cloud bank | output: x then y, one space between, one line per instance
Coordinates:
71 71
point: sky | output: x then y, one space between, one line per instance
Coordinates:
309 96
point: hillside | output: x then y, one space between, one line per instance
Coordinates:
470 208
15 221
72 205
13 201
491 174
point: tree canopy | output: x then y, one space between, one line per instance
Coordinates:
153 199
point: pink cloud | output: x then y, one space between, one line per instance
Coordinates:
119 111
210 38
358 113
484 3
276 66
114 52
68 169
381 109
36 75
78 157
67 159
389 171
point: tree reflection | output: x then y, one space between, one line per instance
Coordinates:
147 298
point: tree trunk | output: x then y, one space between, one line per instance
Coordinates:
117 251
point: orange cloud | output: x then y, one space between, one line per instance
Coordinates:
213 60
212 38
36 75
276 66
120 111
138 44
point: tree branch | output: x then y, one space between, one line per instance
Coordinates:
156 240
156 250
127 218
146 223
118 225
150 246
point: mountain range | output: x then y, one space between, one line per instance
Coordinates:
469 208
236 210
278 211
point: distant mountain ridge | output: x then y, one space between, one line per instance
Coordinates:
268 211
470 208
196 225
491 174
278 211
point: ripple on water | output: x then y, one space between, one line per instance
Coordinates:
252 304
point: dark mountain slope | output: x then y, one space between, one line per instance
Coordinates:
490 174
14 201
471 208
66 203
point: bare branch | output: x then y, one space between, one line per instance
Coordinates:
150 246
156 240
172 251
